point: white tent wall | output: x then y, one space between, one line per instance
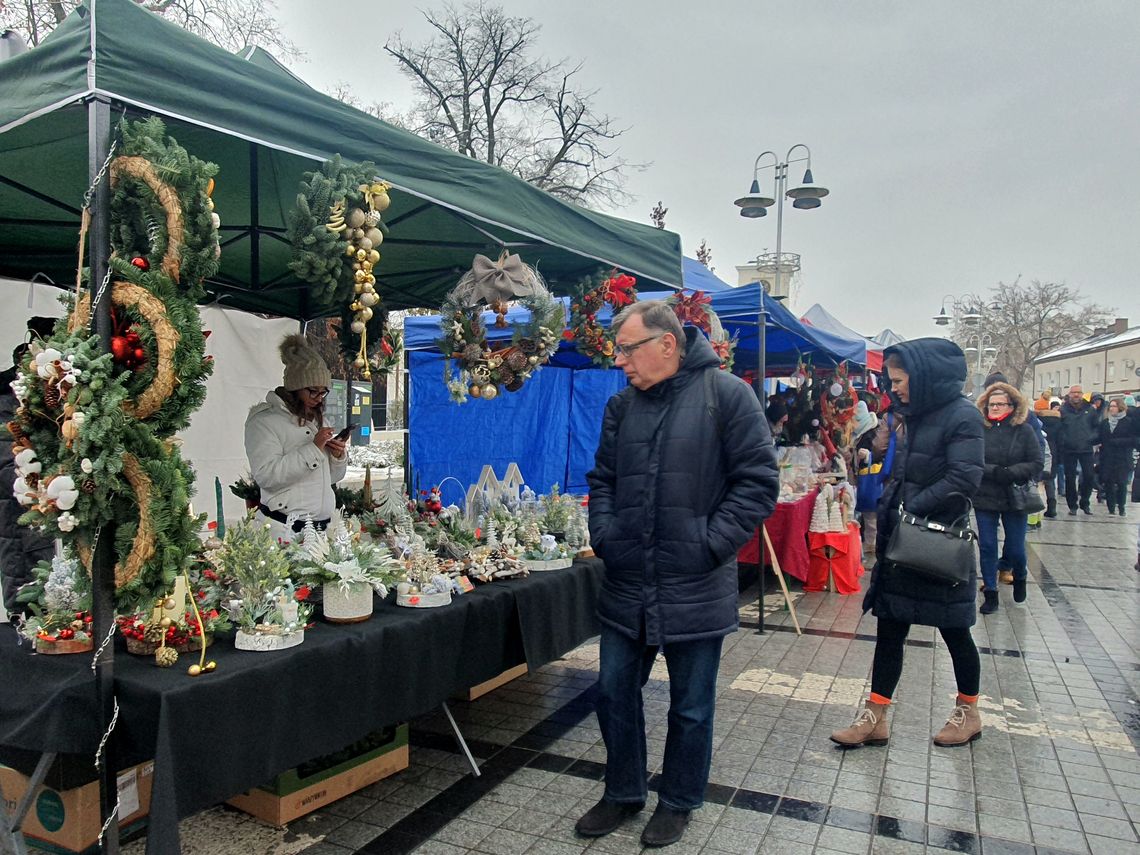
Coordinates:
246 366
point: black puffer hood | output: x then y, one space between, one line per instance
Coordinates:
937 369
698 352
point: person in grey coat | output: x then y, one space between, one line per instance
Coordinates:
684 473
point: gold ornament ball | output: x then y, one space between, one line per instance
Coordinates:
165 622
359 362
364 243
474 391
366 314
374 256
355 218
375 236
359 275
380 200
350 250
357 234
361 255
490 391
356 265
194 670
170 603
369 298
358 287
210 666
533 360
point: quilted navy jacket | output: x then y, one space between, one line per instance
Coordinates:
944 453
684 473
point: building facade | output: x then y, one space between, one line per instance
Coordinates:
1107 362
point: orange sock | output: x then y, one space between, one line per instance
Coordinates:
879 699
967 699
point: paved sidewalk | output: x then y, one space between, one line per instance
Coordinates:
1057 768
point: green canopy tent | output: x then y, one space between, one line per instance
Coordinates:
264 128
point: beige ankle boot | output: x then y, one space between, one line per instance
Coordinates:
869 728
962 728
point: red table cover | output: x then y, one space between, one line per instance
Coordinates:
787 529
845 563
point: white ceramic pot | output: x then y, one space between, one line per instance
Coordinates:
263 642
416 599
534 565
349 603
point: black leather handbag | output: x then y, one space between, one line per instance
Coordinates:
942 552
1026 498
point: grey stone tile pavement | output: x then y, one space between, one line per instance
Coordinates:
1056 770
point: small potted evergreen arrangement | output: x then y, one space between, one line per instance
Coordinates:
59 600
348 568
246 489
270 611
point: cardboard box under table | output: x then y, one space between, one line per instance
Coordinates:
324 780
64 816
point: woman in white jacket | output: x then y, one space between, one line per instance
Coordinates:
294 457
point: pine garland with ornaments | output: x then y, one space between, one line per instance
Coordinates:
90 434
336 229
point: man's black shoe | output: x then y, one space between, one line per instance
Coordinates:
1019 590
1087 511
605 817
1072 512
665 826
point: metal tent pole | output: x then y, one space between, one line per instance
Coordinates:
103 558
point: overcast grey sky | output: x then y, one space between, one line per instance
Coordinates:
963 143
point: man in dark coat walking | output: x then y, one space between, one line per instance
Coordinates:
684 473
1080 431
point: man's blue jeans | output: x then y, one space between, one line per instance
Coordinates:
623 671
1014 524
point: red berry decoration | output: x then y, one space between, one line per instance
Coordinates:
140 354
119 348
140 262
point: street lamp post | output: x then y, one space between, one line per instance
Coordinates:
972 316
805 197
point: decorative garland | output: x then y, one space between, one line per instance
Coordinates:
613 289
336 229
90 433
389 351
696 310
484 367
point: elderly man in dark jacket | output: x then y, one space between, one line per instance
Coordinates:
685 471
1080 431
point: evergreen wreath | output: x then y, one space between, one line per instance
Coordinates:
484 367
593 293
90 432
696 310
336 229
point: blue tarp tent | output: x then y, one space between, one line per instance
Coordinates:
551 426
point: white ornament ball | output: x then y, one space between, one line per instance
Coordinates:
375 236
490 391
836 390
369 298
357 327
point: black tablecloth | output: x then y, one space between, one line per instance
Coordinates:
261 713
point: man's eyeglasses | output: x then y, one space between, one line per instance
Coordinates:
315 393
628 350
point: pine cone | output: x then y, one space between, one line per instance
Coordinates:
506 376
516 361
472 353
528 346
89 486
15 429
514 385
51 396
164 657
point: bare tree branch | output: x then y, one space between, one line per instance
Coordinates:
231 24
482 92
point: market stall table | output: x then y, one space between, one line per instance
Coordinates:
259 714
787 529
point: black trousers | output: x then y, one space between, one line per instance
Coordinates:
887 667
1115 493
1085 460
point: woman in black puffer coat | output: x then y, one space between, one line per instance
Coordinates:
1117 441
942 455
1013 457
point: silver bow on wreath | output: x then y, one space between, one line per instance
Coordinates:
503 280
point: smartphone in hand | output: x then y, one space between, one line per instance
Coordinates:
344 434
